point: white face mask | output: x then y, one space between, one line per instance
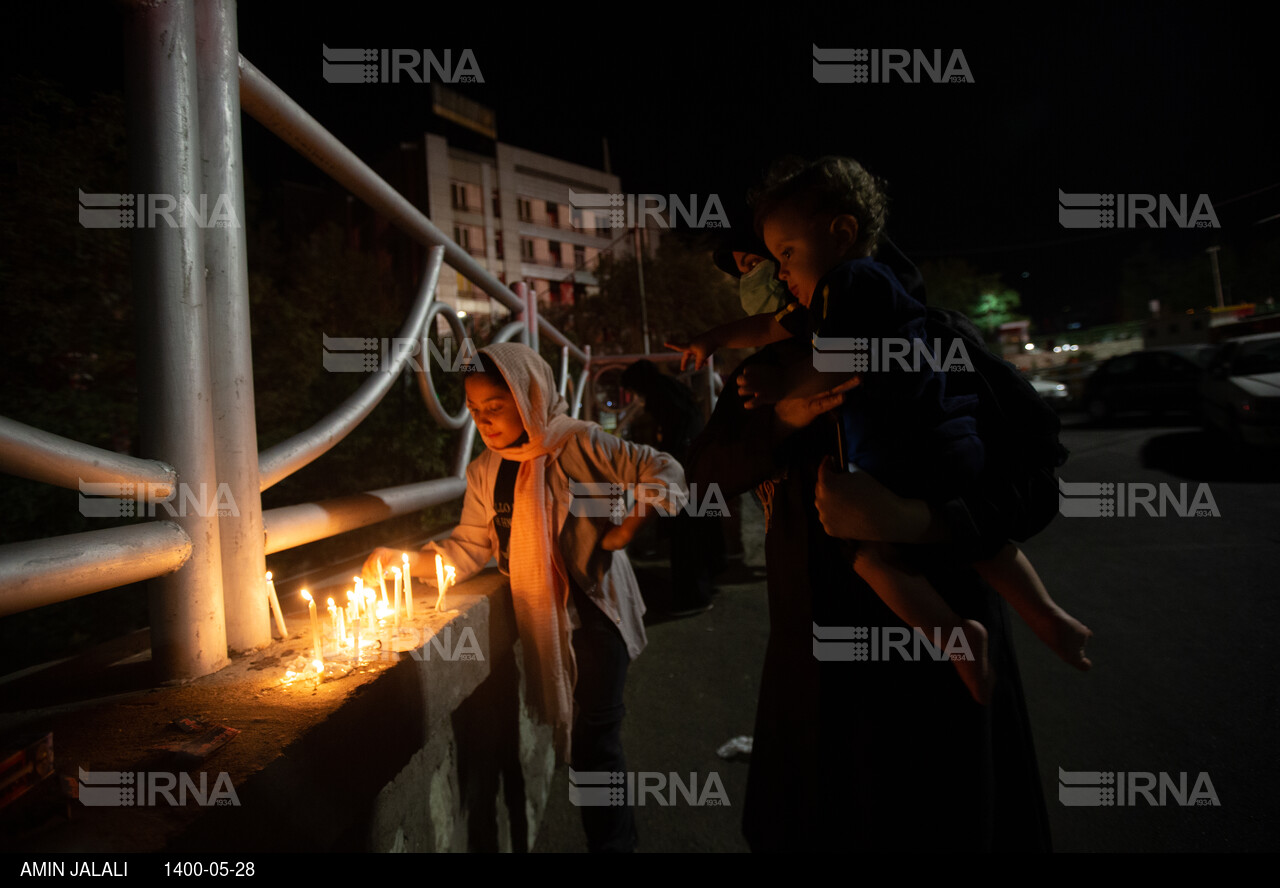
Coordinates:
760 291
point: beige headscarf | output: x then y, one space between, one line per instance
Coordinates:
539 580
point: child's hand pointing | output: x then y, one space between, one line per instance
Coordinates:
700 348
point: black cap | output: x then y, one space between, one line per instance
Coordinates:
739 240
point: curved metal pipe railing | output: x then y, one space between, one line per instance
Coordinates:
41 572
28 452
283 459
270 106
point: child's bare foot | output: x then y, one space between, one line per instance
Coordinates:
1069 638
976 674
1064 635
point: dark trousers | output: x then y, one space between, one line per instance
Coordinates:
697 555
597 726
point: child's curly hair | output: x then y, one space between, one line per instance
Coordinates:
829 186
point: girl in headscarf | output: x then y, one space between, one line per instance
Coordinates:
578 608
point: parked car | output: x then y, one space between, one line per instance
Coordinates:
1200 353
1240 393
1155 382
1054 393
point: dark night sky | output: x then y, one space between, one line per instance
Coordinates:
1087 98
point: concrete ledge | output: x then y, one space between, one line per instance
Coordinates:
431 751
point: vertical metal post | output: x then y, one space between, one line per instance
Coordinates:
564 369
188 626
644 306
235 431
711 385
579 390
1217 277
531 315
522 292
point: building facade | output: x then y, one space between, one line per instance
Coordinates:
512 212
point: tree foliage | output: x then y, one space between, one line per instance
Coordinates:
984 298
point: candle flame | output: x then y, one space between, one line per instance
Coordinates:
306 596
268 576
318 664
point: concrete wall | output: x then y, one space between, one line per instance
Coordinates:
434 753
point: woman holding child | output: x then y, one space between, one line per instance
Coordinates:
874 753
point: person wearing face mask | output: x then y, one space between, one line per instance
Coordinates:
804 711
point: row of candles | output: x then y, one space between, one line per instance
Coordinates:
364 609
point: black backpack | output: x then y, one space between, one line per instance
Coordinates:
1018 429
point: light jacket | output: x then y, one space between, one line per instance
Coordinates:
591 455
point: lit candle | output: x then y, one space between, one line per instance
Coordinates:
274 600
353 609
449 575
382 582
315 628
333 620
395 572
359 595
439 580
408 587
342 629
356 626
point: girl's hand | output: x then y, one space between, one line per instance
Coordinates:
390 558
616 537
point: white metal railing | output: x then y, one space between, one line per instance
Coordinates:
196 373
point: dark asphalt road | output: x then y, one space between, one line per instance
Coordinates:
1184 680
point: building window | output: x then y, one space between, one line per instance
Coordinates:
497 206
497 245
553 214
526 249
525 210
554 248
579 255
462 237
